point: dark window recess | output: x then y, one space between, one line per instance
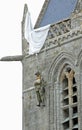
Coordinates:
65 92
74 82
65 102
75 129
74 89
74 99
74 110
66 125
66 113
75 121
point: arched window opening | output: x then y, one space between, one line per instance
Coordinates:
69 100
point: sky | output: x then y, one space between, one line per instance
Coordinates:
11 12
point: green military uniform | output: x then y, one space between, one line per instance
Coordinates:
40 90
37 89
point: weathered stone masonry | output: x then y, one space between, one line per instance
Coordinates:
62 49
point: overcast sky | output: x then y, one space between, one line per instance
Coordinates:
11 12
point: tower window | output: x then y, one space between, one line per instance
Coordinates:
69 101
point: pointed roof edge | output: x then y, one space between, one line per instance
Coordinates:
78 6
44 8
42 12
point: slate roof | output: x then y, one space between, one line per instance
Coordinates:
54 11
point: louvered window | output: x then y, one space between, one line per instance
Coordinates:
69 105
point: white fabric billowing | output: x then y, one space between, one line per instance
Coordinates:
35 37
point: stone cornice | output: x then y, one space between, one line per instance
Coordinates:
61 33
64 38
61 39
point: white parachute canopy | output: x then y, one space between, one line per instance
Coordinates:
35 37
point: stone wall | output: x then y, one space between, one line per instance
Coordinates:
62 48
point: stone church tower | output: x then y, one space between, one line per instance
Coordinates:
60 64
